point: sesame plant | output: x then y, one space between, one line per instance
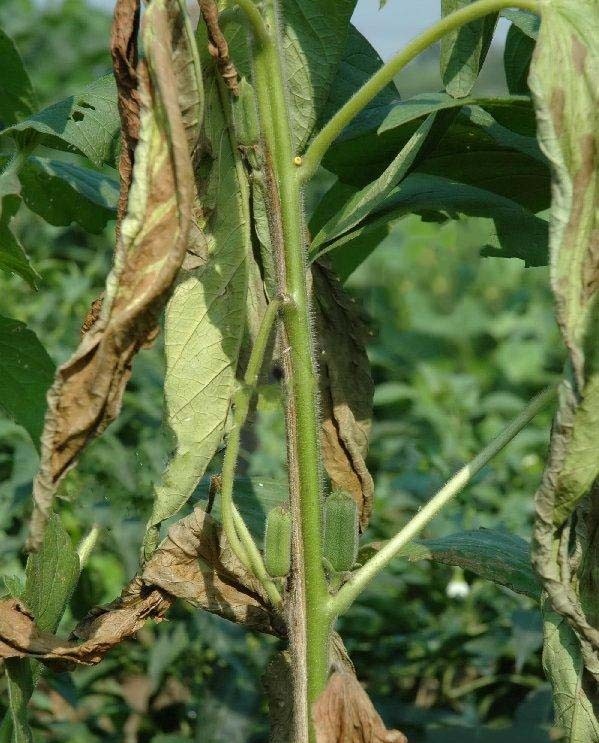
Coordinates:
217 133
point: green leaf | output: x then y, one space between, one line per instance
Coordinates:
86 123
62 193
562 662
517 55
314 34
26 373
359 62
478 151
440 199
497 556
51 577
204 325
13 259
463 51
17 98
362 153
361 204
528 22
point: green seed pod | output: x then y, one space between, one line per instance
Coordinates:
340 531
277 542
246 123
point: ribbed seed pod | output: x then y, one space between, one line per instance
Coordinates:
340 531
277 542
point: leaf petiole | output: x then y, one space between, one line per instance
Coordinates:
362 577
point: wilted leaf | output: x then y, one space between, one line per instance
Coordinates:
564 79
314 34
204 324
86 123
123 48
12 256
109 626
463 51
87 392
563 664
195 563
17 98
346 389
343 713
62 193
26 373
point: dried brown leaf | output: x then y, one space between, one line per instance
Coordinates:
123 47
346 389
93 638
196 564
87 392
343 713
218 46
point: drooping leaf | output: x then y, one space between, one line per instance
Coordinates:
86 123
525 20
437 198
124 52
87 392
564 79
359 62
563 664
17 98
343 713
365 149
360 205
463 51
314 34
26 373
62 193
13 259
517 55
195 563
19 683
204 324
346 390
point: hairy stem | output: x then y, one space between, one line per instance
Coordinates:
302 408
361 98
236 531
362 577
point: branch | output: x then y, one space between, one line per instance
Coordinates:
362 577
308 164
256 20
234 526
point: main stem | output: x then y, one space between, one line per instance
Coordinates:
303 390
362 97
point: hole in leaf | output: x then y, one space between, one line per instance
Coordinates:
77 116
85 104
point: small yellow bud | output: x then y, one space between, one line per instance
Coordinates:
297 160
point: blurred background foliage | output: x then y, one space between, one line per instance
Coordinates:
458 345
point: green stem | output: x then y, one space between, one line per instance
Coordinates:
361 98
362 577
236 531
303 391
256 20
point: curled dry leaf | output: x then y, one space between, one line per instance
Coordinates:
123 47
218 46
346 389
195 563
94 637
343 713
87 392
